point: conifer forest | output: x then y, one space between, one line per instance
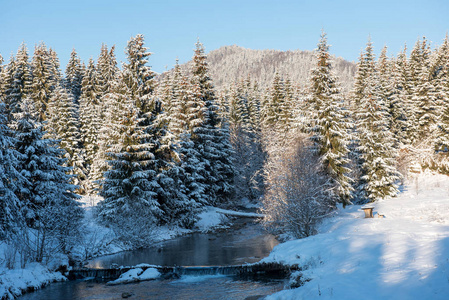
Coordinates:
156 149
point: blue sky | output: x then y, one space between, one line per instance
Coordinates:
172 27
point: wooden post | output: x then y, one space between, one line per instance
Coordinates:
368 211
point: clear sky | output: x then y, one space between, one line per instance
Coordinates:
172 27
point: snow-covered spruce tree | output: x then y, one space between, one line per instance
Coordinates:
364 70
138 78
271 110
424 94
253 97
20 87
245 140
130 188
106 68
7 83
176 197
191 159
330 127
137 74
90 113
106 139
212 140
74 76
440 76
43 80
298 191
49 204
401 106
10 179
379 174
63 125
2 76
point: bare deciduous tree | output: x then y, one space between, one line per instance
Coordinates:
298 193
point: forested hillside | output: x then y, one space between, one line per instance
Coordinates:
230 63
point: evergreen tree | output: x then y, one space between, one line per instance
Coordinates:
330 127
401 106
212 141
64 126
20 87
441 75
137 75
11 181
43 83
90 112
49 202
74 76
7 86
107 68
130 186
424 94
379 175
365 67
274 102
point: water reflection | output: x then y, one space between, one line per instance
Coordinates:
246 245
209 287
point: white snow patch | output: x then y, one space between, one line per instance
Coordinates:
136 275
14 283
402 256
150 273
209 219
129 276
238 213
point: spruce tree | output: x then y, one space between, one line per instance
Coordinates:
212 141
130 187
379 175
424 94
401 105
49 202
90 112
107 68
441 75
74 76
330 127
64 126
7 86
11 181
20 87
43 83
137 74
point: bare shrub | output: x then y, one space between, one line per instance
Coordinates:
298 193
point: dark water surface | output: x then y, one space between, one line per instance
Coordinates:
248 244
202 287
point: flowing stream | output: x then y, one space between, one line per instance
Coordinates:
247 244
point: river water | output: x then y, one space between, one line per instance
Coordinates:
247 244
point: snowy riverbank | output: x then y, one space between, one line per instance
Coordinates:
97 241
402 256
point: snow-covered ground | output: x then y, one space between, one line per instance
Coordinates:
34 276
404 255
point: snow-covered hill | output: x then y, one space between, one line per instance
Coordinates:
230 63
402 256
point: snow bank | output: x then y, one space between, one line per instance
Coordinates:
136 275
14 283
238 213
402 256
209 219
